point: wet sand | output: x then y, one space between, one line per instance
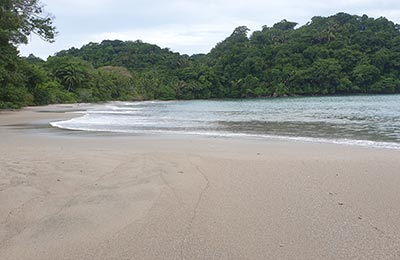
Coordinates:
74 195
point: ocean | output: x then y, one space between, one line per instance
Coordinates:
370 120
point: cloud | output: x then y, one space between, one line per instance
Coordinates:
187 26
199 38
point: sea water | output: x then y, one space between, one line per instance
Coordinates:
372 120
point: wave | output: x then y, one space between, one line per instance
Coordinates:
355 121
67 125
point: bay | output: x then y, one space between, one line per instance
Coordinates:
370 120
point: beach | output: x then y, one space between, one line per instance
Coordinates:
89 195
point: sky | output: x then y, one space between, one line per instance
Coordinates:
185 26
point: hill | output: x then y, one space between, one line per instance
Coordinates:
339 54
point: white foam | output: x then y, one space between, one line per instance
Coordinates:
364 143
101 118
114 112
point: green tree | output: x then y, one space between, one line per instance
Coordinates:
365 75
73 73
18 19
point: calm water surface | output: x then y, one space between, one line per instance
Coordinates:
357 120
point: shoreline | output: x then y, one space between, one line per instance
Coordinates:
61 112
69 195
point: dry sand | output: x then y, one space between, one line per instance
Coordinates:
73 195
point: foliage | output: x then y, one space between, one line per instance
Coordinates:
340 54
18 19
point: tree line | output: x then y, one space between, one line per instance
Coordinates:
339 54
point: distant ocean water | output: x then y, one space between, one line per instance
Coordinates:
355 120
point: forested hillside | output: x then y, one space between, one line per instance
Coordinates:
340 54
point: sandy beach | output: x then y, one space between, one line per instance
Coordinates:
74 195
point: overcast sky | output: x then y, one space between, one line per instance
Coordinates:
185 26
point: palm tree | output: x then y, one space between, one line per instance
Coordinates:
71 76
